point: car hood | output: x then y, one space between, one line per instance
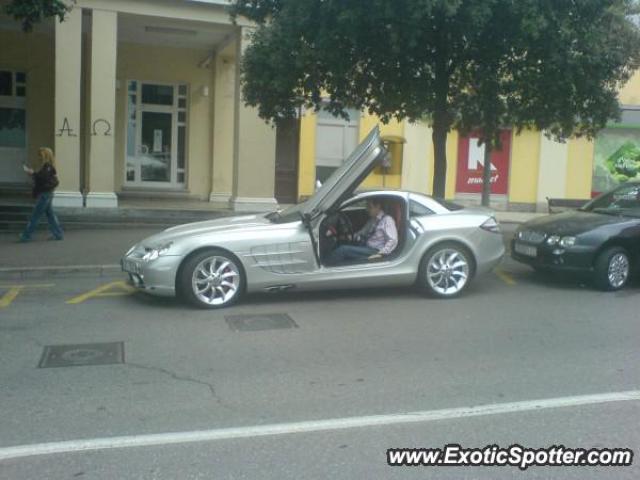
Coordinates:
347 176
571 223
224 224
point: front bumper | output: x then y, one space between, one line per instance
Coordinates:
157 277
578 259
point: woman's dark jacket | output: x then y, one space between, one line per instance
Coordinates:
44 180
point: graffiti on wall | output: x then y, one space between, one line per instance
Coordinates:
101 126
66 129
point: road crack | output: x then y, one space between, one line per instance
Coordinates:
184 378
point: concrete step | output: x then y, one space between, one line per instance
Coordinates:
13 217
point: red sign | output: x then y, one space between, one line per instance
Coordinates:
471 165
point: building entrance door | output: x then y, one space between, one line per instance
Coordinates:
156 134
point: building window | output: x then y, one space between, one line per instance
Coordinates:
156 150
336 138
13 125
617 152
13 128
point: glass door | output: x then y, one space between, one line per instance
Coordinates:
156 134
155 159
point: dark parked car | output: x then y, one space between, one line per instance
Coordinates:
601 239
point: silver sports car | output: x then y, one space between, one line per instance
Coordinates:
440 246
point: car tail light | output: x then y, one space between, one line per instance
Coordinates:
491 225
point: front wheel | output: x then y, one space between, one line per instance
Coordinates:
445 270
612 269
212 279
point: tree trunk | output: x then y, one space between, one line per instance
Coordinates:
486 175
439 137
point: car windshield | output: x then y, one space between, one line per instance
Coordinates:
624 200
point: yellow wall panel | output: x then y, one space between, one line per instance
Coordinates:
523 172
307 164
580 168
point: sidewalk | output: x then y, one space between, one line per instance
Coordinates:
90 251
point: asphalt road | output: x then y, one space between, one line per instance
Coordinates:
514 337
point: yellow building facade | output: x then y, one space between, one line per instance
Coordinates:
142 99
537 168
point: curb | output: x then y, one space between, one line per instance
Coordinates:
63 270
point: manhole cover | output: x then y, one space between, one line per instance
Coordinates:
83 354
252 323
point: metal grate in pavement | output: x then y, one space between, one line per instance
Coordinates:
82 354
257 322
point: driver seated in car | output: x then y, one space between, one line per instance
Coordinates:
377 238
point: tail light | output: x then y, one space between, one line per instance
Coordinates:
491 225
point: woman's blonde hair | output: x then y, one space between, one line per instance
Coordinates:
46 156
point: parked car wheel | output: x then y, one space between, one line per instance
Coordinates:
612 269
445 271
212 279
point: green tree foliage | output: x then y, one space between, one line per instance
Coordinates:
472 65
30 12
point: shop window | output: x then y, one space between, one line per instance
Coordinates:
617 152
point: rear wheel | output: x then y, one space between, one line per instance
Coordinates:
445 271
612 269
212 279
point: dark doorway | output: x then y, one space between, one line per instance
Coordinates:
287 154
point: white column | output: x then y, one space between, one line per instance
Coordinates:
104 47
68 42
223 126
254 158
552 173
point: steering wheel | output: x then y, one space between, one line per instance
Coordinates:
339 227
344 226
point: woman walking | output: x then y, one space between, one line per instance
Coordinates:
45 181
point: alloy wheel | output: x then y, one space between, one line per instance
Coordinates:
448 271
216 280
618 271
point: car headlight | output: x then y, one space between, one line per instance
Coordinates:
156 252
567 241
553 240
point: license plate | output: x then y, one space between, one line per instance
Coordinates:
526 250
130 266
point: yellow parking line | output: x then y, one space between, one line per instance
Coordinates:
103 291
14 290
505 277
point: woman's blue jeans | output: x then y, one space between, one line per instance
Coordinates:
43 207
